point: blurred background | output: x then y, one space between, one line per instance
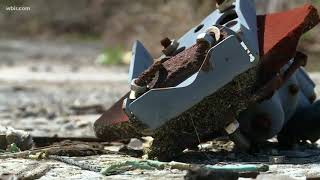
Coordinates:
63 62
116 24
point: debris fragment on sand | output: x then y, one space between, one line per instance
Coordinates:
10 137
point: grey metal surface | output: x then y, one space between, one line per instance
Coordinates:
157 106
141 60
246 22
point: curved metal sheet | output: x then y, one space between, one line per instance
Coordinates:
157 106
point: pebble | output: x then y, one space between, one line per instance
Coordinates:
135 144
69 126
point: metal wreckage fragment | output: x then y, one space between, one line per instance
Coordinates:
235 74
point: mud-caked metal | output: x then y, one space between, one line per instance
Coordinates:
157 106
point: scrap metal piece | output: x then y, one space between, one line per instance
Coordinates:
206 38
307 86
266 119
303 126
243 22
244 13
279 39
232 127
174 100
215 32
169 50
236 136
114 123
136 90
165 42
240 140
141 60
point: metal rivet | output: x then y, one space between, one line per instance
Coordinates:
215 32
205 38
136 90
312 98
171 48
165 42
232 127
293 89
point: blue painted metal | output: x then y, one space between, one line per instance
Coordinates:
247 18
140 61
158 106
306 84
246 23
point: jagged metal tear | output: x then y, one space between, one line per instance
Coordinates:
140 61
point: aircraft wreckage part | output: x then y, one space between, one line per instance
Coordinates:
241 18
216 111
170 102
181 132
207 77
279 34
187 129
303 126
264 120
167 141
114 124
140 61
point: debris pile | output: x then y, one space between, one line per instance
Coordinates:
232 75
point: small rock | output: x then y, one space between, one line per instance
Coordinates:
75 69
34 69
51 115
22 139
82 124
69 126
48 69
62 121
135 144
133 148
9 176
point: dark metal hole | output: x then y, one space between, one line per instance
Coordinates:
231 24
229 17
179 50
198 28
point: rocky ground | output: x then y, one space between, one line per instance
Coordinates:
56 89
